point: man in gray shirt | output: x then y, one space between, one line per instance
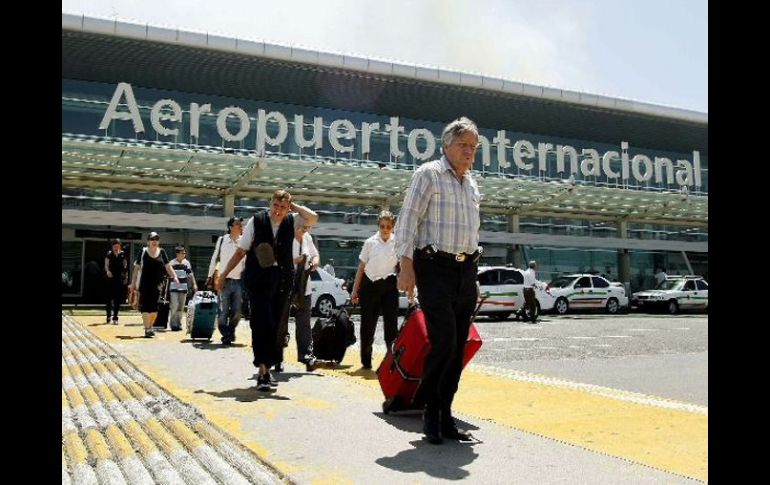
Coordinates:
438 248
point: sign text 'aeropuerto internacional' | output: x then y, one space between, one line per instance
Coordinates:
343 136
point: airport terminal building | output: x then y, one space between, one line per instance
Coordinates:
174 131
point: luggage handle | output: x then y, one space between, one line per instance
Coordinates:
397 365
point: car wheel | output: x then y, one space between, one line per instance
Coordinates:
612 306
673 307
325 305
561 306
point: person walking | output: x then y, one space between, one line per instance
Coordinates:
116 269
148 280
267 244
231 296
437 246
178 291
530 298
306 259
375 286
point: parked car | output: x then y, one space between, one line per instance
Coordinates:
673 294
327 292
505 287
580 291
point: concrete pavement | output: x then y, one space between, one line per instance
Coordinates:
327 426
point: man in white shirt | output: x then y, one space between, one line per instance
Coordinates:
329 267
230 298
530 283
660 277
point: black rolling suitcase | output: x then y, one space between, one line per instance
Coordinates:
163 306
333 335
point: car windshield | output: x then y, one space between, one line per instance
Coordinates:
670 285
561 282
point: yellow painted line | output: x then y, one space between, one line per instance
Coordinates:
74 396
76 450
162 437
140 438
119 442
120 392
97 445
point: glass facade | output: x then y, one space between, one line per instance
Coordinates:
84 104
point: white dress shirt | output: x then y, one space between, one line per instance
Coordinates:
379 257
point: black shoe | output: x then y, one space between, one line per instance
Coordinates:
366 363
431 427
278 367
226 341
450 431
262 383
148 333
176 329
311 364
271 380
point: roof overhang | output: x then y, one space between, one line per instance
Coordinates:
156 167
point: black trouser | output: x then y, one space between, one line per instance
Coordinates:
530 302
448 292
267 307
377 297
116 294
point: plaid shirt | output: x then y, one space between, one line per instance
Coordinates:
439 210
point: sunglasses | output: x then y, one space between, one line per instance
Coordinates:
155 239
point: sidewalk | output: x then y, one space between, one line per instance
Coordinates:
328 427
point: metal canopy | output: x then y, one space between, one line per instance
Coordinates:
179 169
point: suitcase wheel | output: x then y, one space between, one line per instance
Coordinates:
389 405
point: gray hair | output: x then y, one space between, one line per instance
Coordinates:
456 128
533 264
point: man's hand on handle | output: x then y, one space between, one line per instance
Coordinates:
406 279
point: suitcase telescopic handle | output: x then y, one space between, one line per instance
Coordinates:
397 363
483 298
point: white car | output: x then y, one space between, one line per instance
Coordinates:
580 291
505 288
675 293
327 292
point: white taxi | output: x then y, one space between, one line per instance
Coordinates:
583 291
504 286
673 294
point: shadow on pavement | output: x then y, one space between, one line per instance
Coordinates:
441 461
208 344
411 420
367 374
247 394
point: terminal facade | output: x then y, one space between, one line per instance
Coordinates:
173 131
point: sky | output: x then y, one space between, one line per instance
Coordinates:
653 51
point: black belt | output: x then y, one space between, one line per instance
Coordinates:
429 252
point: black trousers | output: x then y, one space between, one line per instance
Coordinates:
116 295
377 298
530 301
448 293
268 301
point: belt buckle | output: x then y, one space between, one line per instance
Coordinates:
460 257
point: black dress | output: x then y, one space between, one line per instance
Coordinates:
153 271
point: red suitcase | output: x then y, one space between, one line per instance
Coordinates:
400 371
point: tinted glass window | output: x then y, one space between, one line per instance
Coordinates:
315 276
512 277
489 278
584 282
600 282
702 285
689 286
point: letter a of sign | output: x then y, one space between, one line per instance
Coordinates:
132 113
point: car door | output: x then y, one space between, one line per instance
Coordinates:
689 298
512 288
702 293
489 282
582 296
601 291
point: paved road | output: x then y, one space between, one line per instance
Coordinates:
532 426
